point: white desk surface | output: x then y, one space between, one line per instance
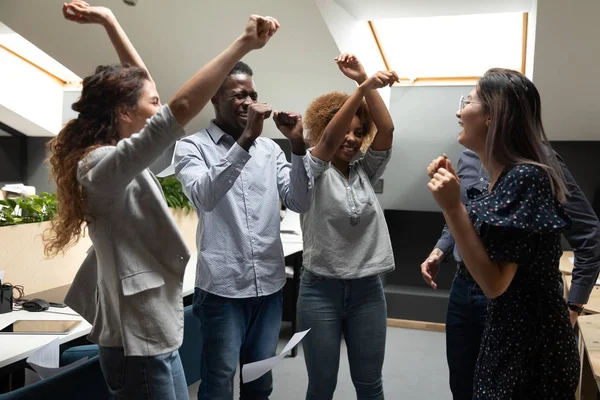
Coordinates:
14 348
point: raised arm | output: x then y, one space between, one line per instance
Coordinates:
119 165
83 13
353 69
335 131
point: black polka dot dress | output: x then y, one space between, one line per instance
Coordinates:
528 349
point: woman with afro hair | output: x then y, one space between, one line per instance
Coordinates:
346 241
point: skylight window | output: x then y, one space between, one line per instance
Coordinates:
18 45
452 47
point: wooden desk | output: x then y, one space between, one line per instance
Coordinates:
589 335
566 266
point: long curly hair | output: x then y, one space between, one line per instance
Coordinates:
108 89
322 110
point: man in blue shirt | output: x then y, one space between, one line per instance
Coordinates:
235 179
467 305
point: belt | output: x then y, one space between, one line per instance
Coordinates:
463 272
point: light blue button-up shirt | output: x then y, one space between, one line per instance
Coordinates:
236 195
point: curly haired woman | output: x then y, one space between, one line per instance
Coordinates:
100 163
346 241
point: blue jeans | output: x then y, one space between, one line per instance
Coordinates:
244 330
139 377
465 321
355 308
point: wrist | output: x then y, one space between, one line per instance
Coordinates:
578 308
364 87
361 79
109 20
246 140
437 252
244 43
298 145
455 210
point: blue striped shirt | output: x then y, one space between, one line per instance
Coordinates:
236 195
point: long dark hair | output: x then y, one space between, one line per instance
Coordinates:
103 93
516 134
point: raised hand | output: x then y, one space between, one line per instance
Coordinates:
289 123
445 187
259 30
82 13
381 79
257 113
351 67
436 164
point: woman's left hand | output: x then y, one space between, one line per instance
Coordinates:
445 187
351 67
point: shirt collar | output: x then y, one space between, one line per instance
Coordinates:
216 133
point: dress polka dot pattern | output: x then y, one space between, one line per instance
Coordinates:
528 349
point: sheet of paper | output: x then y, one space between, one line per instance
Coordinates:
1 275
45 362
291 223
170 170
572 260
253 371
46 356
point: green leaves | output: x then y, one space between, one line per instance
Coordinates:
174 193
42 208
27 209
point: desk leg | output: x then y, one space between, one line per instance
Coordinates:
588 387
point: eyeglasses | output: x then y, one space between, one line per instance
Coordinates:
463 102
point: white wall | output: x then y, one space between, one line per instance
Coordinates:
426 127
567 56
176 38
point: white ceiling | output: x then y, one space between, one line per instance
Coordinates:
385 9
176 38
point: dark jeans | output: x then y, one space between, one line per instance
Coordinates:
233 330
465 320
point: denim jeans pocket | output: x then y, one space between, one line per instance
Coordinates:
308 278
199 298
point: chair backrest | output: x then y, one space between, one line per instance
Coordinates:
82 382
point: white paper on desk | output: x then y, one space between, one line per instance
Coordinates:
253 371
572 260
46 356
45 362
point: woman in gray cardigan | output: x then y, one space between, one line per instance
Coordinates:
100 163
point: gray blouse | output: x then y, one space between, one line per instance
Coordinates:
344 232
